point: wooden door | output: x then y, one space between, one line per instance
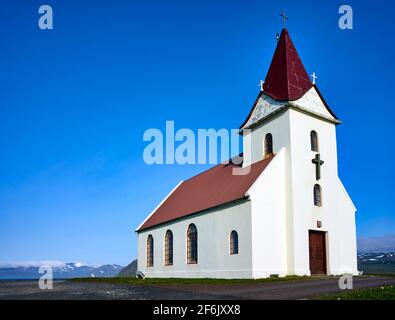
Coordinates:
317 248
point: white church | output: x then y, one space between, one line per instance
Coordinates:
289 215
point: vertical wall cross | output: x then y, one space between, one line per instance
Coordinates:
318 163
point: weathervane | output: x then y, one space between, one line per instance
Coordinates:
285 18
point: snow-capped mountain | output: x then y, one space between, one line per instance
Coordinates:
376 262
30 270
374 257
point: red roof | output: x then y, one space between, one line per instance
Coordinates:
287 78
211 188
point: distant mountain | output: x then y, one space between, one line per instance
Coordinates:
129 271
376 263
60 270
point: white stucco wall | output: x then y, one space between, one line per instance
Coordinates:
214 258
253 145
343 235
291 132
279 126
337 213
269 247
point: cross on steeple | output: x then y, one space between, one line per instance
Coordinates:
318 163
285 18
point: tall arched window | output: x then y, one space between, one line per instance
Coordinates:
268 145
192 244
169 248
314 141
234 243
150 251
317 195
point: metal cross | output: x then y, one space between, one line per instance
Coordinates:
314 76
318 163
261 84
285 18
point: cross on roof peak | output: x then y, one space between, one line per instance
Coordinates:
285 18
261 84
315 77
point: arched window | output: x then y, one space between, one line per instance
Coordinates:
169 248
314 141
150 251
268 145
317 195
234 243
192 244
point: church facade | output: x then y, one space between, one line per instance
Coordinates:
289 214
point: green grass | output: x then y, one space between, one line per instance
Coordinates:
177 281
378 293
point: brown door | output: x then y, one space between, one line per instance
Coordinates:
317 248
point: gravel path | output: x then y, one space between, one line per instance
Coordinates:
67 290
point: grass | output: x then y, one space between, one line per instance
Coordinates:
378 293
194 281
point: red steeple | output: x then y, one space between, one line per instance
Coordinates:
287 78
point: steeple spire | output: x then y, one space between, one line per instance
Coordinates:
287 78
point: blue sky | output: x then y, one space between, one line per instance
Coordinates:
75 102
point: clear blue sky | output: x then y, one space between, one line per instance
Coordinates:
75 102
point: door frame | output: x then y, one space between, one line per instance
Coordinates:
325 234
